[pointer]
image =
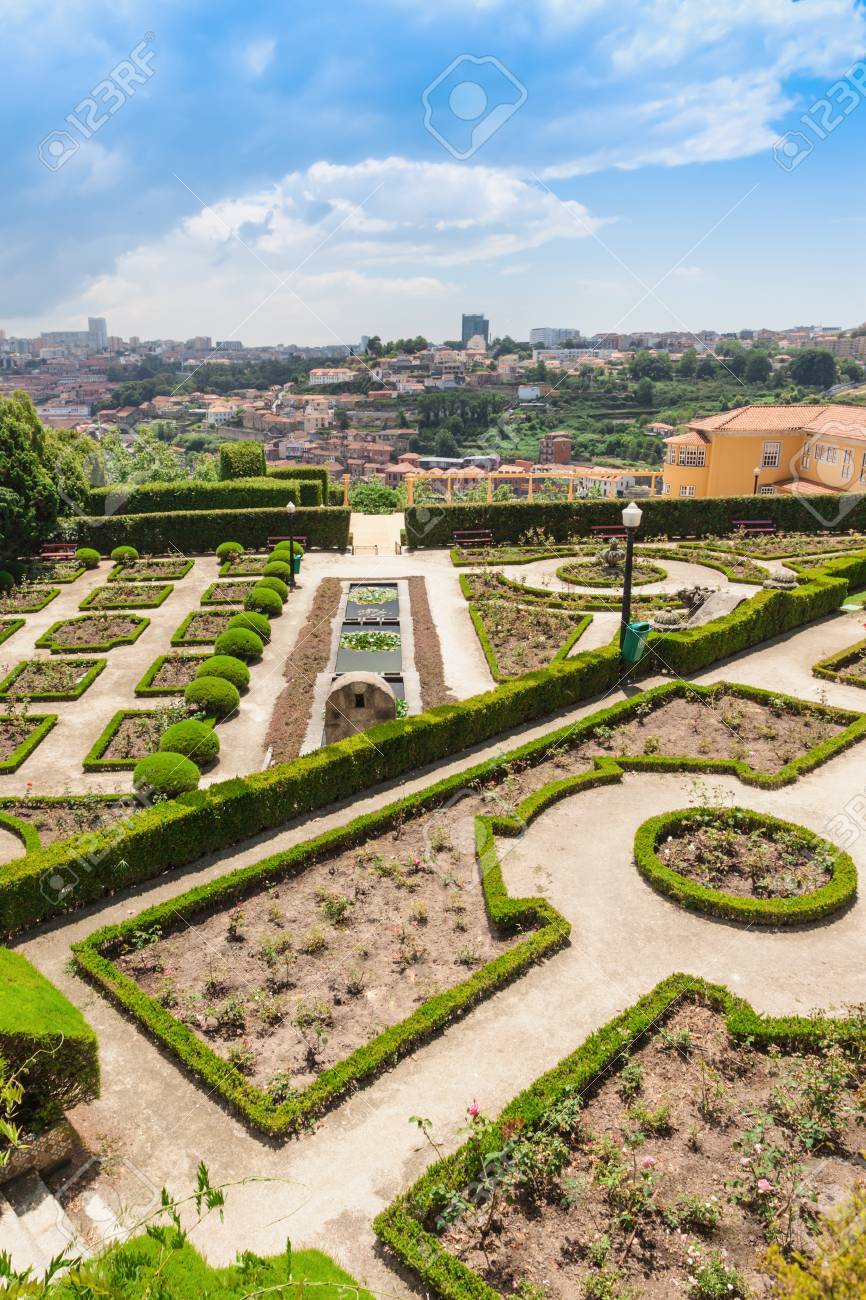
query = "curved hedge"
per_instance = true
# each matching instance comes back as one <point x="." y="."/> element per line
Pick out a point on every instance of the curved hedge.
<point x="642" y="574"/>
<point x="199" y="531"/>
<point x="838" y="892"/>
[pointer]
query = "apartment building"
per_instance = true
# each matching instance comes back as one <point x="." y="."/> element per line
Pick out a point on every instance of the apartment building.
<point x="763" y="450"/>
<point x="555" y="449"/>
<point x="323" y="375"/>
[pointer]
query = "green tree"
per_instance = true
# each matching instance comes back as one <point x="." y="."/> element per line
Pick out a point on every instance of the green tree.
<point x="372" y="497"/>
<point x="29" y="500"/>
<point x="813" y="367"/>
<point x="706" y="368"/>
<point x="644" y="391"/>
<point x="852" y="370"/>
<point x="446" y="444"/>
<point x="758" y="368"/>
<point x="688" y="363"/>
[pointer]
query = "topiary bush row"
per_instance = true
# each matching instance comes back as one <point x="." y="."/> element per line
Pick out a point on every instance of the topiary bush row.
<point x="200" y="531"/>
<point x="179" y="832"/>
<point x="203" y="494"/>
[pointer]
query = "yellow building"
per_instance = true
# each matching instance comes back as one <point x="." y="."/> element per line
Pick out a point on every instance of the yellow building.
<point x="763" y="450"/>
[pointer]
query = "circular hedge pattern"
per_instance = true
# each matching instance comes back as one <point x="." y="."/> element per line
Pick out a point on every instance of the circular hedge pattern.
<point x="839" y="890"/>
<point x="166" y="774"/>
<point x="195" y="740"/>
<point x="241" y="642"/>
<point x="253" y="622"/>
<point x="215" y="696"/>
<point x="263" y="600"/>
<point x="588" y="573"/>
<point x="226" y="666"/>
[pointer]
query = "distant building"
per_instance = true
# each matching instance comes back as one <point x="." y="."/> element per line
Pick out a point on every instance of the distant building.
<point x="97" y="328"/>
<point x="472" y="325"/>
<point x="547" y="336"/>
<point x="332" y="375"/>
<point x="229" y="345"/>
<point x="555" y="449"/>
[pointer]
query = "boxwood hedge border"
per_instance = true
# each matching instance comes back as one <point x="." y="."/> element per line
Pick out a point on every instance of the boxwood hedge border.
<point x="120" y="572"/>
<point x="179" y="637"/>
<point x="44" y="723"/>
<point x="836" y="894"/>
<point x="638" y="578"/>
<point x="227" y="571"/>
<point x="325" y="527"/>
<point x="96" y="667"/>
<point x="9" y="626"/>
<point x="462" y="559"/>
<point x="694" y="554"/>
<point x="73" y="577"/>
<point x="27" y="832"/>
<point x="476" y="613"/>
<point x="47" y="642"/>
<point x="151" y="596"/>
<point x="181" y="830"/>
<point x="830" y="668"/>
<point x="400" y="1227"/>
<point x="209" y="598"/>
<point x="93" y="760"/>
<point x="39" y="602"/>
<point x="145" y="686"/>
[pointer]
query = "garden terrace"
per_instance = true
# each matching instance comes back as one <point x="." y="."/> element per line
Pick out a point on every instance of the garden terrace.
<point x="671" y="1148"/>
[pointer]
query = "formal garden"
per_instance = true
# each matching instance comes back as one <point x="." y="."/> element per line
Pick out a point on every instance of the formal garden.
<point x="410" y="998"/>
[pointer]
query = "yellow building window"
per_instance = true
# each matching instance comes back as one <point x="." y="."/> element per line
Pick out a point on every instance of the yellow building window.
<point x="771" y="455"/>
<point x="693" y="456"/>
<point x="847" y="464"/>
<point x="687" y="489"/>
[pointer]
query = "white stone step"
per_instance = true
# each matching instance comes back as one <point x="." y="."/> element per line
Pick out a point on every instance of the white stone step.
<point x="42" y="1216"/>
<point x="17" y="1241"/>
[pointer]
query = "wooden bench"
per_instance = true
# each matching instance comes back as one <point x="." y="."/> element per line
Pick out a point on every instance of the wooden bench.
<point x="608" y="530"/>
<point x="472" y="537"/>
<point x="57" y="551"/>
<point x="753" y="525"/>
<point x="302" y="541"/>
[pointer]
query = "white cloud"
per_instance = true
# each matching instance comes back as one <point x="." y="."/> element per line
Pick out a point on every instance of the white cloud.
<point x="256" y="56"/>
<point x="688" y="272"/>
<point x="349" y="241"/>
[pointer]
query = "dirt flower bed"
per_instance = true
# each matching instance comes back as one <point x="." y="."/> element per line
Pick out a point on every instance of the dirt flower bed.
<point x="490" y="585"/>
<point x="226" y="593"/>
<point x="244" y="566"/>
<point x="773" y="546"/>
<point x="25" y="599"/>
<point x="145" y="570"/>
<point x="302" y="973"/>
<point x="595" y="573"/>
<point x="309" y="656"/>
<point x="428" y="652"/>
<point x="131" y="594"/>
<point x="176" y="671"/>
<point x="524" y="638"/>
<point x="95" y="630"/>
<point x="14" y="730"/>
<point x="138" y="733"/>
<point x="669" y="1179"/>
<point x="59" y="820"/>
<point x="716" y="850"/>
<point x="204" y="625"/>
<point x="50" y="676"/>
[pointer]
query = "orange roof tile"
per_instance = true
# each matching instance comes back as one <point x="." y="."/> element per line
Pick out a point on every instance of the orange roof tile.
<point x="692" y="437"/>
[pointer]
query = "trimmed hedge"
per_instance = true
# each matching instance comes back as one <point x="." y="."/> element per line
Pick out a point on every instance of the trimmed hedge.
<point x="87" y="556"/>
<point x="708" y="560"/>
<point x="832" y="666"/>
<point x="45" y="1041"/>
<point x="274" y="584"/>
<point x="204" y="494"/>
<point x="240" y="642"/>
<point x="47" y="642"/>
<point x="92" y="672"/>
<point x="434" y="525"/>
<point x="26" y="833"/>
<point x="195" y="740"/>
<point x="228" y="668"/>
<point x="548" y="932"/>
<point x="643" y="574"/>
<point x="44" y="723"/>
<point x="243" y="459"/>
<point x="317" y="473"/>
<point x="263" y="600"/>
<point x="230" y="811"/>
<point x="122" y="554"/>
<point x="147" y="596"/>
<point x="276" y="569"/>
<point x="200" y="531"/>
<point x="214" y="695"/>
<point x="179" y="636"/>
<point x="214" y="594"/>
<point x="166" y="774"/>
<point x="228" y="550"/>
<point x="181" y="568"/>
<point x="93" y="760"/>
<point x="401" y="1226"/>
<point x="146" y="687"/>
<point x="838" y="892"/>
<point x="476" y="613"/>
<point x="9" y="626"/>
<point x="40" y="596"/>
<point x="249" y="620"/>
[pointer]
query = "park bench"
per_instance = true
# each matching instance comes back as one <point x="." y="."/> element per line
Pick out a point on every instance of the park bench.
<point x="608" y="530"/>
<point x="302" y="541"/>
<point x="56" y="551"/>
<point x="472" y="537"/>
<point x="753" y="525"/>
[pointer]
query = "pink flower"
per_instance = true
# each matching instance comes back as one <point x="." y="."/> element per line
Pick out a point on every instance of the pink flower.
<point x="473" y="1110"/>
<point x="744" y="1160"/>
<point x="764" y="1185"/>
<point x="647" y="1162"/>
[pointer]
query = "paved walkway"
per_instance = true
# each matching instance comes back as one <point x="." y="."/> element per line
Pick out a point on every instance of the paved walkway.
<point x="330" y="1183"/>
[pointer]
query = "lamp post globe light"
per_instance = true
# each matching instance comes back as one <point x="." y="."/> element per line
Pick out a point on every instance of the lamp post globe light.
<point x="290" y="510"/>
<point x="631" y="517"/>
<point x="757" y="474"/>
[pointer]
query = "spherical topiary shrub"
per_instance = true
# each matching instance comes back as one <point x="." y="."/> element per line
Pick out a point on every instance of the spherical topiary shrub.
<point x="124" y="554"/>
<point x="166" y="775"/>
<point x="283" y="550"/>
<point x="87" y="556"/>
<point x="6" y="580"/>
<point x="275" y="584"/>
<point x="225" y="666"/>
<point x="240" y="642"/>
<point x="196" y="740"/>
<point x="263" y="600"/>
<point x="276" y="569"/>
<point x="228" y="550"/>
<point x="215" y="696"/>
<point x="254" y="622"/>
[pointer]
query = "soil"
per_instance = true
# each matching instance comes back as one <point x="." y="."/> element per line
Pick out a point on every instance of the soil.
<point x="247" y="566"/>
<point x="22" y="600"/>
<point x="177" y="670"/>
<point x="168" y="570"/>
<point x="95" y="630"/>
<point x="428" y="652"/>
<point x="776" y="545"/>
<point x="44" y="676"/>
<point x="300" y="974"/>
<point x="656" y="1179"/>
<point x="135" y="738"/>
<point x="491" y="586"/>
<point x="57" y="821"/>
<point x="309" y="656"/>
<point x="228" y="593"/>
<point x="133" y="594"/>
<point x="524" y="638"/>
<point x="770" y="863"/>
<point x="206" y="624"/>
<point x="595" y="573"/>
<point x="13" y="732"/>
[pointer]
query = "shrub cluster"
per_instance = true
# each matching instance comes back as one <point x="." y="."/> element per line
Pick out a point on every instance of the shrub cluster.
<point x="203" y="494"/>
<point x="240" y="642"/>
<point x="166" y="775"/>
<point x="87" y="556"/>
<point x="242" y="460"/>
<point x="215" y="696"/>
<point x="201" y="530"/>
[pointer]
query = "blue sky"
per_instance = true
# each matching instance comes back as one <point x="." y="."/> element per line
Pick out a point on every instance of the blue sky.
<point x="274" y="180"/>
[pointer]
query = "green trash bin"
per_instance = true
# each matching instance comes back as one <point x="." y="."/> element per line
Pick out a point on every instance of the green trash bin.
<point x="634" y="645"/>
<point x="296" y="563"/>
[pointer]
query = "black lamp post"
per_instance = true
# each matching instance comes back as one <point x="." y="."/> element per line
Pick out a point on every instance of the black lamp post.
<point x="631" y="518"/>
<point x="757" y="474"/>
<point x="290" y="508"/>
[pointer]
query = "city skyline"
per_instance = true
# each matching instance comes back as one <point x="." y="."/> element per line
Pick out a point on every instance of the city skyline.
<point x="632" y="182"/>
